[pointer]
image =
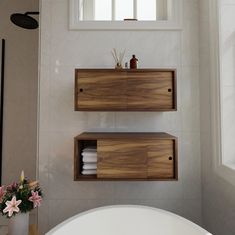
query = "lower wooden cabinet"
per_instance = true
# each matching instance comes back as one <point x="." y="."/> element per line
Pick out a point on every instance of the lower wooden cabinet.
<point x="127" y="156"/>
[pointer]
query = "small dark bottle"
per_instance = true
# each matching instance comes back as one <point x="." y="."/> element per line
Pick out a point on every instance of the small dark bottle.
<point x="133" y="62"/>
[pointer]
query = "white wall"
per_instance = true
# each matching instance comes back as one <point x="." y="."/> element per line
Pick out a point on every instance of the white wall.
<point x="218" y="201"/>
<point x="21" y="79"/>
<point x="61" y="52"/>
<point x="227" y="26"/>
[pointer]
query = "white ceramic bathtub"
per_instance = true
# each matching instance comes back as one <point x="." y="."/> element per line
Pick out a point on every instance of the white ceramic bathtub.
<point x="127" y="220"/>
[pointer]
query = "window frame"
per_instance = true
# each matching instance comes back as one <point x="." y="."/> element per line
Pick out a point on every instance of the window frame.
<point x="225" y="171"/>
<point x="174" y="24"/>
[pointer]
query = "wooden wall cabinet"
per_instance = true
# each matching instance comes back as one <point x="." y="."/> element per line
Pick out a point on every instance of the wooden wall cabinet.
<point x="125" y="90"/>
<point x="129" y="156"/>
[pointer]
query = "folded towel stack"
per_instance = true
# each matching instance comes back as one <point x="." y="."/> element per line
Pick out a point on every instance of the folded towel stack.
<point x="89" y="159"/>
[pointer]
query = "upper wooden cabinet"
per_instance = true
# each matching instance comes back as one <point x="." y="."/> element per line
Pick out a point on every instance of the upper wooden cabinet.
<point x="125" y="90"/>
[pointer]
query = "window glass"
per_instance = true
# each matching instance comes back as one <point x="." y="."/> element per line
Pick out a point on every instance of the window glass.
<point x="146" y="9"/>
<point x="102" y="14"/>
<point x="80" y="9"/>
<point x="103" y="9"/>
<point x="124" y="9"/>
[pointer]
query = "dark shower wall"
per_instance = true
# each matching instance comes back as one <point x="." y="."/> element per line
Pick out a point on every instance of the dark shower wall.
<point x="21" y="78"/>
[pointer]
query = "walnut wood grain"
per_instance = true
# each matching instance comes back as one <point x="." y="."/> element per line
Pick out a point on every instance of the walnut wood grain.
<point x="150" y="90"/>
<point x="98" y="90"/>
<point x="125" y="90"/>
<point x="124" y="135"/>
<point x="130" y="156"/>
<point x="76" y="163"/>
<point x="121" y="159"/>
<point x="161" y="159"/>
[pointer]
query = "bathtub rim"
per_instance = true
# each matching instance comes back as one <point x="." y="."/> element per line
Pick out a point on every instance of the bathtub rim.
<point x="57" y="227"/>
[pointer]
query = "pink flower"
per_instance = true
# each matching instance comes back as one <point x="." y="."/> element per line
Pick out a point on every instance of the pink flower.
<point x="2" y="193"/>
<point x="36" y="199"/>
<point x="12" y="186"/>
<point x="12" y="206"/>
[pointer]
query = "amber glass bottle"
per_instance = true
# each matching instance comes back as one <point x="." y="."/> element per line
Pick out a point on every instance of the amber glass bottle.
<point x="133" y="62"/>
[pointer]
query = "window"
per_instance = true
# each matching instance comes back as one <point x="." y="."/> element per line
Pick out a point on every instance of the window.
<point x="125" y="14"/>
<point x="118" y="10"/>
<point x="222" y="38"/>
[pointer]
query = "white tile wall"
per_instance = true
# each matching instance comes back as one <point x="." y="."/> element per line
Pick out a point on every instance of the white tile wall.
<point x="63" y="51"/>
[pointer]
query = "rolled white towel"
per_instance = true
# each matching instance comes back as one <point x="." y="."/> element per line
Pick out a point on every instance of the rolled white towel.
<point x="89" y="166"/>
<point x="90" y="149"/>
<point x="89" y="159"/>
<point x="89" y="154"/>
<point x="89" y="172"/>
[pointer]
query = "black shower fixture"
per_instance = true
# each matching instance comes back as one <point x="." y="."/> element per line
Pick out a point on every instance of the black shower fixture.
<point x="24" y="20"/>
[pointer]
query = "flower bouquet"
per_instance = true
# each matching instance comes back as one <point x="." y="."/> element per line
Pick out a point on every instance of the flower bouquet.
<point x="19" y="198"/>
<point x="16" y="200"/>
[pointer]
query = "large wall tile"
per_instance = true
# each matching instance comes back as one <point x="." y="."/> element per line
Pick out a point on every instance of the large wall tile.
<point x="92" y="49"/>
<point x="192" y="210"/>
<point x="190" y="33"/>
